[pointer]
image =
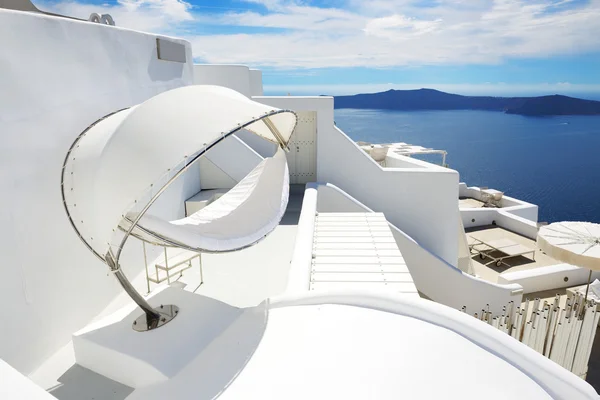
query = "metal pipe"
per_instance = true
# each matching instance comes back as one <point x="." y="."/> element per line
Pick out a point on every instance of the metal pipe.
<point x="151" y="314"/>
<point x="146" y="267"/>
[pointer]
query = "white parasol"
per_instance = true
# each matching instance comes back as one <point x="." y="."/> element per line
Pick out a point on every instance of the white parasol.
<point x="576" y="243"/>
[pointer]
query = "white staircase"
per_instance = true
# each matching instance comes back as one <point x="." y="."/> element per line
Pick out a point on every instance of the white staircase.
<point x="357" y="251"/>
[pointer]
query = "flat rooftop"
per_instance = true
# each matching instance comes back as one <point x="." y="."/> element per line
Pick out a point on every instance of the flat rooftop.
<point x="487" y="269"/>
<point x="242" y="279"/>
<point x="469" y="202"/>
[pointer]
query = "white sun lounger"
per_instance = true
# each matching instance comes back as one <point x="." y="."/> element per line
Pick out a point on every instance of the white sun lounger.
<point x="506" y="246"/>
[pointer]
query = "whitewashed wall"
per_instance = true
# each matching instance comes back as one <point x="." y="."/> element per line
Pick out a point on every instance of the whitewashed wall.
<point x="435" y="278"/>
<point x="236" y="77"/>
<point x="393" y="160"/>
<point x="420" y="201"/>
<point x="256" y="83"/>
<point x="474" y="217"/>
<point x="258" y="144"/>
<point x="509" y="204"/>
<point x="57" y="76"/>
<point x="548" y="277"/>
<point x="227" y="164"/>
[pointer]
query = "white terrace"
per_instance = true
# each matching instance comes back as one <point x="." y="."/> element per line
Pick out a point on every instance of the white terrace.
<point x="248" y="312"/>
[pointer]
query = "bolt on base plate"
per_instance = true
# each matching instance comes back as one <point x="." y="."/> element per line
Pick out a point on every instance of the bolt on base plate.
<point x="145" y="322"/>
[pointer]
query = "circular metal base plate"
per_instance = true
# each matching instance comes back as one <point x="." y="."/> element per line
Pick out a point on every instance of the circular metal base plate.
<point x="145" y="323"/>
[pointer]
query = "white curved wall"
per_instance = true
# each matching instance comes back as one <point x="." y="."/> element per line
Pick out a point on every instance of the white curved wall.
<point x="555" y="380"/>
<point x="52" y="285"/>
<point x="236" y="77"/>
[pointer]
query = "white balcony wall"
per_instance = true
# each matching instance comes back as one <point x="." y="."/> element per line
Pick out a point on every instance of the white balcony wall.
<point x="421" y="201"/>
<point x="474" y="217"/>
<point x="549" y="277"/>
<point x="393" y="160"/>
<point x="236" y="77"/>
<point x="509" y="204"/>
<point x="51" y="284"/>
<point x="446" y="284"/>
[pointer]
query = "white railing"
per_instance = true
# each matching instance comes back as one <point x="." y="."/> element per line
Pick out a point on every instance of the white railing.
<point x="301" y="264"/>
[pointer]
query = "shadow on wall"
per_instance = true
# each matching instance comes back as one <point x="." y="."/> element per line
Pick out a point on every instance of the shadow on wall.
<point x="159" y="70"/>
<point x="78" y="383"/>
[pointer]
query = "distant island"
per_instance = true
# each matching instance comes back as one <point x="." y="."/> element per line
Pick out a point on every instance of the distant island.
<point x="430" y="99"/>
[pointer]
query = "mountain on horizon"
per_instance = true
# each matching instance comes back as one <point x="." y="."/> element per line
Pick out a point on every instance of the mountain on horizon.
<point x="431" y="99"/>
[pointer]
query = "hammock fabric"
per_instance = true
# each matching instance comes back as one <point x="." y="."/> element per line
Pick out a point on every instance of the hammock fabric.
<point x="239" y="218"/>
<point x="126" y="159"/>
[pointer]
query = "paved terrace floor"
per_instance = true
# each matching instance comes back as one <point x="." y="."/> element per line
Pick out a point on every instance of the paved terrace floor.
<point x="488" y="270"/>
<point x="243" y="279"/>
<point x="467" y="202"/>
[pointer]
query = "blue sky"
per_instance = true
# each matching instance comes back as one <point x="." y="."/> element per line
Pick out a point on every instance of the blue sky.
<point x="496" y="47"/>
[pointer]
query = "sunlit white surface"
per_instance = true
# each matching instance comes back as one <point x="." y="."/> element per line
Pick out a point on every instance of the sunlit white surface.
<point x="239" y="218"/>
<point x="326" y="351"/>
<point x="576" y="243"/>
<point x="142" y="151"/>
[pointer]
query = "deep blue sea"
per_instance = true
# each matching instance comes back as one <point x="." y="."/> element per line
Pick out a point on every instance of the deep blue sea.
<point x="553" y="162"/>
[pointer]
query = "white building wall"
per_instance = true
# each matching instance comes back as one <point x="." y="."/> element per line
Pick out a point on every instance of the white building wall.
<point x="258" y="144"/>
<point x="474" y="217"/>
<point x="51" y="284"/>
<point x="509" y="204"/>
<point x="423" y="202"/>
<point x="236" y="77"/>
<point x="225" y="165"/>
<point x="435" y="278"/>
<point x="256" y="83"/>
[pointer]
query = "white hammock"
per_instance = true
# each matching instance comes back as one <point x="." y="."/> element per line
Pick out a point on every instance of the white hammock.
<point x="121" y="163"/>
<point x="240" y="218"/>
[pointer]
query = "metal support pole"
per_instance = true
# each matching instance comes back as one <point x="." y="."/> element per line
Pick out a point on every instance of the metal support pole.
<point x="146" y="266"/>
<point x="587" y="288"/>
<point x="152" y="318"/>
<point x="140" y="301"/>
<point x="200" y="262"/>
<point x="167" y="267"/>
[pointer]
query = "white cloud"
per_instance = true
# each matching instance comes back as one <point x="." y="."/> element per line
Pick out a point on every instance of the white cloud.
<point x="161" y="16"/>
<point x="369" y="34"/>
<point x="398" y="33"/>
